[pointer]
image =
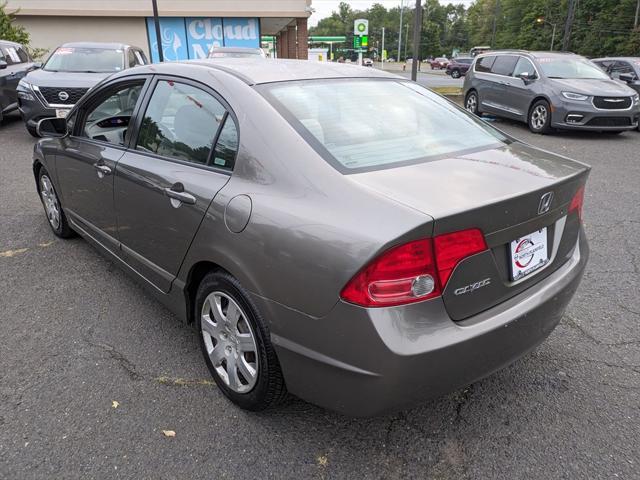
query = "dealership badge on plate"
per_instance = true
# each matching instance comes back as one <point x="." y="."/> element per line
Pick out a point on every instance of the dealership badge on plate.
<point x="529" y="253"/>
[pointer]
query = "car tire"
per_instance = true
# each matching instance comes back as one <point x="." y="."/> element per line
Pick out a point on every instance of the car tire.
<point x="237" y="346"/>
<point x="472" y="102"/>
<point x="32" y="131"/>
<point x="52" y="207"/>
<point x="455" y="73"/>
<point x="539" y="118"/>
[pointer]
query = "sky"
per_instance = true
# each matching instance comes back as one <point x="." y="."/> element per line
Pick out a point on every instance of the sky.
<point x="323" y="8"/>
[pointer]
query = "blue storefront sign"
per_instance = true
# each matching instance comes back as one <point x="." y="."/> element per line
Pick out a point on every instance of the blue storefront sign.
<point x="193" y="37"/>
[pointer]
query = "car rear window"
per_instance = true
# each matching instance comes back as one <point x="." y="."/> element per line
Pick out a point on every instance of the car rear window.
<point x="367" y="124"/>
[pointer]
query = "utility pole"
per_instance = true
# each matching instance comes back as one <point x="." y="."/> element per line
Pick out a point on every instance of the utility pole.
<point x="382" y="50"/>
<point x="635" y="22"/>
<point x="568" y="24"/>
<point x="156" y="21"/>
<point x="406" y="40"/>
<point x="400" y="30"/>
<point x="496" y="13"/>
<point x="417" y="28"/>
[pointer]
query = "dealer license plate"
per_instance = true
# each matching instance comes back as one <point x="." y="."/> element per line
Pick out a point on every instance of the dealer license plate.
<point x="62" y="112"/>
<point x="528" y="254"/>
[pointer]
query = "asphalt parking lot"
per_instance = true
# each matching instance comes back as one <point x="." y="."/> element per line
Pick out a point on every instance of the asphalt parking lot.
<point x="78" y="334"/>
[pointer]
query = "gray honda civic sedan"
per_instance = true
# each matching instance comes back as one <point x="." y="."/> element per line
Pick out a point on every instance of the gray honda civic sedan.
<point x="332" y="231"/>
<point x="550" y="90"/>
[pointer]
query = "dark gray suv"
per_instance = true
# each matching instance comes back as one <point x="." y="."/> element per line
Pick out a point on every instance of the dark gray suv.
<point x="15" y="63"/>
<point x="71" y="70"/>
<point x="550" y="90"/>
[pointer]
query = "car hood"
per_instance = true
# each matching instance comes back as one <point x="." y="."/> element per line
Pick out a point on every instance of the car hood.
<point x="596" y="87"/>
<point x="43" y="78"/>
<point x="446" y="188"/>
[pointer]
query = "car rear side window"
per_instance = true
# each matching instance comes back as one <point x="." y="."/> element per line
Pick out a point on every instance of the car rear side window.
<point x="484" y="64"/>
<point x="504" y="64"/>
<point x="369" y="123"/>
<point x="181" y="122"/>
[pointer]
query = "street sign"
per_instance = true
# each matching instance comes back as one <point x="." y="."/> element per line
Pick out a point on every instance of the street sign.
<point x="361" y="27"/>
<point x="356" y="43"/>
<point x="364" y="41"/>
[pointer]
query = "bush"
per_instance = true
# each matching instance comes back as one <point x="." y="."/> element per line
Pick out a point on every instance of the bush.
<point x="10" y="31"/>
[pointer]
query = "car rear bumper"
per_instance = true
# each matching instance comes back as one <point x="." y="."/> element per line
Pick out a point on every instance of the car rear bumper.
<point x="584" y="116"/>
<point x="364" y="362"/>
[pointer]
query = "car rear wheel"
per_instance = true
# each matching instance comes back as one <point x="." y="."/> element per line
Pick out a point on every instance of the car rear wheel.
<point x="471" y="103"/>
<point x="55" y="214"/>
<point x="455" y="73"/>
<point x="236" y="344"/>
<point x="540" y="117"/>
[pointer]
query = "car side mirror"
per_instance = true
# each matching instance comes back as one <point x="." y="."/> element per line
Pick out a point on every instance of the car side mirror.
<point x="527" y="77"/>
<point x="3" y="64"/>
<point x="627" y="77"/>
<point x="52" y="127"/>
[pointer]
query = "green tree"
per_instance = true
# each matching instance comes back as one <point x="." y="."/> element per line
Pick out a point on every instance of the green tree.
<point x="8" y="29"/>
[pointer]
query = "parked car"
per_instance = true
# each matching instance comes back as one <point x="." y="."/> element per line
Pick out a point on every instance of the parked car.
<point x="624" y="69"/>
<point x="71" y="70"/>
<point x="367" y="62"/>
<point x="236" y="52"/>
<point x="15" y="63"/>
<point x="459" y="66"/>
<point x="525" y="85"/>
<point x="307" y="250"/>
<point x="438" y="63"/>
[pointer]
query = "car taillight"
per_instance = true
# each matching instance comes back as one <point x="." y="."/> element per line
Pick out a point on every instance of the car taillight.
<point x="412" y="272"/>
<point x="577" y="202"/>
<point x="452" y="247"/>
<point x="401" y="275"/>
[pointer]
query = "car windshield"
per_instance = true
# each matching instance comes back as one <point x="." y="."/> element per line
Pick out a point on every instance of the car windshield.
<point x="371" y="124"/>
<point x="90" y="60"/>
<point x="562" y="67"/>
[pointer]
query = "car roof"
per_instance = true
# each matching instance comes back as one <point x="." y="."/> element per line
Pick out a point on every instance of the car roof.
<point x="235" y="49"/>
<point x="7" y="43"/>
<point x="534" y="54"/>
<point x="260" y="70"/>
<point x="629" y="59"/>
<point x="105" y="45"/>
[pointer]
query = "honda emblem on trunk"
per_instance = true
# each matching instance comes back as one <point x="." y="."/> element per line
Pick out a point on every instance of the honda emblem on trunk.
<point x="545" y="203"/>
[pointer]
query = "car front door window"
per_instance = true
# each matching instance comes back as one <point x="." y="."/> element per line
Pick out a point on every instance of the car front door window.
<point x="108" y="119"/>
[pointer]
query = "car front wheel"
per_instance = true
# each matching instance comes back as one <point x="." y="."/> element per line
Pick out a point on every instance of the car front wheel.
<point x="471" y="103"/>
<point x="55" y="214"/>
<point x="455" y="74"/>
<point x="236" y="344"/>
<point x="540" y="117"/>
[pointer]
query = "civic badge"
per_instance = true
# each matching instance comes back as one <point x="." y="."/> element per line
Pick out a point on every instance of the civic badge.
<point x="545" y="203"/>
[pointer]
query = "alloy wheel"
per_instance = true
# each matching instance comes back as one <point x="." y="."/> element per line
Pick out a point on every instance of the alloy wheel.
<point x="539" y="117"/>
<point x="472" y="103"/>
<point x="50" y="201"/>
<point x="230" y="342"/>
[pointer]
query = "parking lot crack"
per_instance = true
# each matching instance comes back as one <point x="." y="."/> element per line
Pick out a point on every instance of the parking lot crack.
<point x="122" y="361"/>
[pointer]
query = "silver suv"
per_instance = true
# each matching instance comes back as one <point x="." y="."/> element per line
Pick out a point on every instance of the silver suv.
<point x="549" y="90"/>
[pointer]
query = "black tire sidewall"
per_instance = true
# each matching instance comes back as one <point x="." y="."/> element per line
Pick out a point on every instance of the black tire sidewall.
<point x="455" y="74"/>
<point x="269" y="387"/>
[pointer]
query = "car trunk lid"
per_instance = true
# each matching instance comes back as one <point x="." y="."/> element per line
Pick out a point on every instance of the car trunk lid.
<point x="500" y="191"/>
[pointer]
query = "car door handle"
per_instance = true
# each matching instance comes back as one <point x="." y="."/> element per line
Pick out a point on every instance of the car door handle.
<point x="176" y="192"/>
<point x="102" y="170"/>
